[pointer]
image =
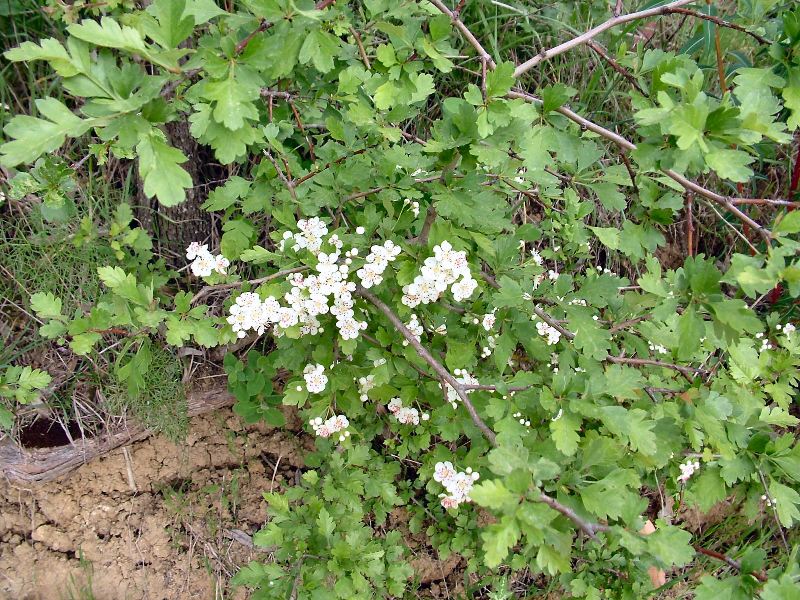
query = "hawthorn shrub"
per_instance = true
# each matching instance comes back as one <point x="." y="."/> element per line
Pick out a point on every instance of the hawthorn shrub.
<point x="458" y="272"/>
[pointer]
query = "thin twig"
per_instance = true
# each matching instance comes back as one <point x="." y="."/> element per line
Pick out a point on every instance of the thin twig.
<point x="209" y="289"/>
<point x="425" y="354"/>
<point x="616" y="66"/>
<point x="730" y="562"/>
<point x="594" y="32"/>
<point x="361" y="50"/>
<point x="468" y="35"/>
<point x="588" y="528"/>
<point x="287" y="181"/>
<point x="424" y="233"/>
<point x="721" y="22"/>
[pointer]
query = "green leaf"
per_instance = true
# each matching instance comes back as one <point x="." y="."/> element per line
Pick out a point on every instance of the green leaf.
<point x="608" y="236"/>
<point x="46" y="305"/>
<point x="50" y="50"/>
<point x="33" y="137"/>
<point x="34" y="378"/>
<point x="785" y="501"/>
<point x="110" y="34"/>
<point x="789" y="223"/>
<point x="203" y="11"/>
<point x="493" y="494"/>
<point x="233" y="101"/>
<point x="124" y="285"/>
<point x="160" y="170"/>
<point x="319" y="48"/>
<point x="173" y="25"/>
<point x="690" y="330"/>
<point x="671" y="545"/>
<point x="500" y="80"/>
<point x="236" y="237"/>
<point x="83" y="343"/>
<point x="497" y="539"/>
<point x="731" y="164"/>
<point x="564" y="431"/>
<point x="325" y="523"/>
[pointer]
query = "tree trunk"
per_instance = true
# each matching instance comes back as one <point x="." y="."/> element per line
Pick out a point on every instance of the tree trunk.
<point x="174" y="228"/>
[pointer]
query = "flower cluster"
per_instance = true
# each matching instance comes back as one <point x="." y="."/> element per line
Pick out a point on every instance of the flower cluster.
<point x="552" y="334"/>
<point x="523" y="421"/>
<point x="457" y="483"/>
<point x="365" y="384"/>
<point x="415" y="327"/>
<point x="440" y="271"/>
<point x="328" y="291"/>
<point x="376" y="262"/>
<point x="657" y="348"/>
<point x="406" y="415"/>
<point x="315" y="377"/>
<point x="462" y="377"/>
<point x="335" y="424"/>
<point x="769" y="501"/>
<point x="203" y="262"/>
<point x="687" y="470"/>
<point x="765" y="343"/>
<point x="249" y="312"/>
<point x="413" y="204"/>
<point x="309" y="237"/>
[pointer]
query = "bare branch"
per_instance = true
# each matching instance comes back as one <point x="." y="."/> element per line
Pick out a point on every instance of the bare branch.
<point x="473" y="41"/>
<point x="438" y="368"/>
<point x="595" y="31"/>
<point x="721" y="22"/>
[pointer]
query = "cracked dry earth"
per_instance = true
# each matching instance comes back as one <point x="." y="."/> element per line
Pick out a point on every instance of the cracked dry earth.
<point x="156" y="520"/>
<point x="167" y="521"/>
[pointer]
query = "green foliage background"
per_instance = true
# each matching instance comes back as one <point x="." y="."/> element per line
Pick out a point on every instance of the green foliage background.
<point x="347" y="110"/>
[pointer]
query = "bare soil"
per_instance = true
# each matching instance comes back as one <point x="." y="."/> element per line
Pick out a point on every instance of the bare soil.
<point x="156" y="520"/>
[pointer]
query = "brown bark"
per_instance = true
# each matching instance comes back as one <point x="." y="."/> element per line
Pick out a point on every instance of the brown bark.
<point x="174" y="228"/>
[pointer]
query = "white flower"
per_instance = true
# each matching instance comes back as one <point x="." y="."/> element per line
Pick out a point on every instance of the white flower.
<point x="316" y="380"/>
<point x="221" y="264"/>
<point x="464" y="288"/>
<point x="196" y="249"/>
<point x="687" y="470"/>
<point x="458" y="484"/>
<point x="335" y="424"/>
<point x="203" y="265"/>
<point x="488" y="321"/>
<point x="789" y="329"/>
<point x="365" y="384"/>
<point x="394" y="405"/>
<point x="552" y="334"/>
<point x="408" y="416"/>
<point x="444" y="472"/>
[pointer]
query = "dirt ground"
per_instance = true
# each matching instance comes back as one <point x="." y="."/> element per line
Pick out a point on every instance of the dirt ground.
<point x="153" y="521"/>
<point x="164" y="521"/>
